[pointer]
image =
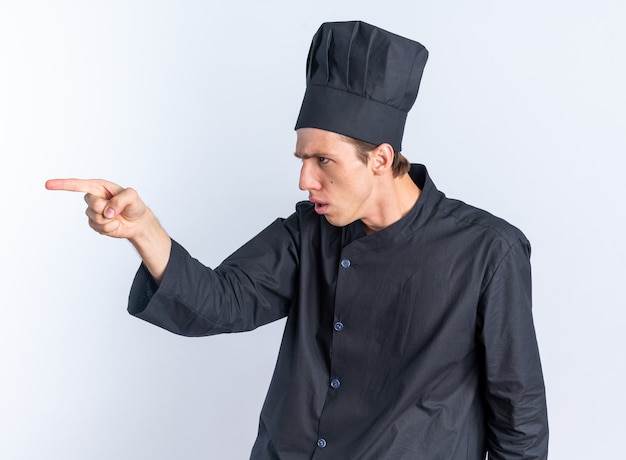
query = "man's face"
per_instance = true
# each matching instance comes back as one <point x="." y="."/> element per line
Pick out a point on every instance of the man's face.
<point x="338" y="182"/>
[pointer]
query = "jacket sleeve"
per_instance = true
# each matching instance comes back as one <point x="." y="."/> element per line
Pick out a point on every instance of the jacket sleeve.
<point x="252" y="287"/>
<point x="515" y="394"/>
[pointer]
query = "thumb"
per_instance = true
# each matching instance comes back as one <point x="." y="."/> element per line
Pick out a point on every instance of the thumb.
<point x="127" y="202"/>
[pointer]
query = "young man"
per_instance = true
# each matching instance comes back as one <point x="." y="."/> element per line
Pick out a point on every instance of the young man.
<point x="409" y="330"/>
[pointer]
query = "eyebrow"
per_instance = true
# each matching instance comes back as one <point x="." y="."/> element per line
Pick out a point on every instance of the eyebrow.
<point x="305" y="156"/>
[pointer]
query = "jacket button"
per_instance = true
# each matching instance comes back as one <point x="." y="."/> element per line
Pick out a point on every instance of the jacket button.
<point x="345" y="263"/>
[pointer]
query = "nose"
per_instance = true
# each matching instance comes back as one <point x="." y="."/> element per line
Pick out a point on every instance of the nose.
<point x="308" y="180"/>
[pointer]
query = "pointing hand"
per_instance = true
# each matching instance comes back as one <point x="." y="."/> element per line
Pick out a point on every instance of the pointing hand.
<point x="112" y="210"/>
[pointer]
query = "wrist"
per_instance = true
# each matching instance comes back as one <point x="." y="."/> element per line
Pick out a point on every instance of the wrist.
<point x="153" y="245"/>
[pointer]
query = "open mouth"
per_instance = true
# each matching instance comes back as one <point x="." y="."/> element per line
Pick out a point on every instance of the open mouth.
<point x="320" y="208"/>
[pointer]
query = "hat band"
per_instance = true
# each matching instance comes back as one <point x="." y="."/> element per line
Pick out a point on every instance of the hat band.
<point x="352" y="115"/>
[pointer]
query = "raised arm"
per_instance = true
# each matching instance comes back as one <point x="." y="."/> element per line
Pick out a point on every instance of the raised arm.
<point x="120" y="213"/>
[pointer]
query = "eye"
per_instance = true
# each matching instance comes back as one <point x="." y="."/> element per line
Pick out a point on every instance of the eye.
<point x="323" y="160"/>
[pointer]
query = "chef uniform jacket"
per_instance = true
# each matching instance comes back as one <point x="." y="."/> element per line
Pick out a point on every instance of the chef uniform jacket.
<point x="414" y="342"/>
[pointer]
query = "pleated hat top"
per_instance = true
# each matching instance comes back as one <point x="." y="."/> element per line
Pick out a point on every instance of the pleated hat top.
<point x="361" y="81"/>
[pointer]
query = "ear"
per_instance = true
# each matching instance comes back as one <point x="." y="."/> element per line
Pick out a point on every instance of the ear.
<point x="382" y="159"/>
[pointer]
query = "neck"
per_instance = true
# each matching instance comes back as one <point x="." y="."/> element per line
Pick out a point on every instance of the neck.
<point x="397" y="198"/>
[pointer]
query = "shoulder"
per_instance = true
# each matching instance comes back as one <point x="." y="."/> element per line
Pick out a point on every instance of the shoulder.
<point x="461" y="218"/>
<point x="312" y="226"/>
<point x="302" y="219"/>
<point x="478" y="220"/>
<point x="304" y="208"/>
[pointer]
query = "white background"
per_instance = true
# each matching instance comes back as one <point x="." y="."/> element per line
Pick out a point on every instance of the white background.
<point x="522" y="111"/>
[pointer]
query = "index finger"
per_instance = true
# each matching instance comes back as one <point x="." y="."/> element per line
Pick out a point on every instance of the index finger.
<point x="97" y="187"/>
